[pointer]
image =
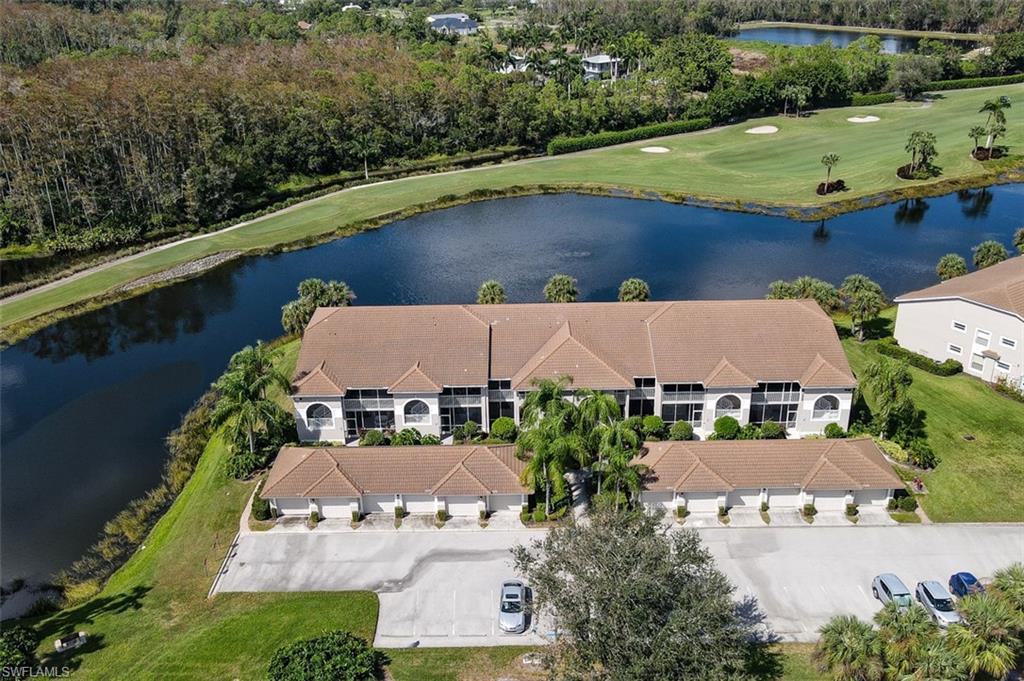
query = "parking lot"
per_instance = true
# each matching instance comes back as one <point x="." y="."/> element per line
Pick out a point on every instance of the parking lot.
<point x="441" y="588"/>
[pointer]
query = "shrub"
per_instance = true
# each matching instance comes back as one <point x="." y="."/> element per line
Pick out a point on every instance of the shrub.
<point x="314" y="519"/>
<point x="851" y="509"/>
<point x="1004" y="388"/>
<point x="922" y="454"/>
<point x="430" y="439"/>
<point x="764" y="507"/>
<point x="770" y="430"/>
<point x="722" y="511"/>
<point x="538" y="515"/>
<point x="908" y="504"/>
<point x="873" y="98"/>
<point x="681" y="511"/>
<point x="504" y="428"/>
<point x="653" y="427"/>
<point x="565" y="145"/>
<point x="524" y="516"/>
<point x="893" y="504"/>
<point x="751" y="431"/>
<point x="466" y="431"/>
<point x="726" y="428"/>
<point x="17" y="647"/>
<point x="950" y="367"/>
<point x="406" y="437"/>
<point x="260" y="506"/>
<point x="373" y="438"/>
<point x="680" y="430"/>
<point x="243" y="463"/>
<point x="834" y="431"/>
<point x="965" y="83"/>
<point x="399" y="512"/>
<point x="442" y="516"/>
<point x="356" y="516"/>
<point x="558" y="512"/>
<point x="483" y="514"/>
<point x="893" y="450"/>
<point x="809" y="510"/>
<point x="334" y="655"/>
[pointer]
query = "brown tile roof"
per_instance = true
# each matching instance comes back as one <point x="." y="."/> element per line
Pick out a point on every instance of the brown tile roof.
<point x="601" y="345"/>
<point x="720" y="466"/>
<point x="312" y="472"/>
<point x="1000" y="286"/>
<point x="414" y="381"/>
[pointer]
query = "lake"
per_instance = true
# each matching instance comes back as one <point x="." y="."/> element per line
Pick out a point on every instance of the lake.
<point x="792" y="35"/>
<point x="85" y="404"/>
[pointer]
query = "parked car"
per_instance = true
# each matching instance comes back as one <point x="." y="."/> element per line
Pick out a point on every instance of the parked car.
<point x="938" y="602"/>
<point x="512" y="607"/>
<point x="964" y="584"/>
<point x="888" y="588"/>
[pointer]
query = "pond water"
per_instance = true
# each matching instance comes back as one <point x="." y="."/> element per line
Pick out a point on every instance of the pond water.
<point x="86" y="403"/>
<point x="791" y="35"/>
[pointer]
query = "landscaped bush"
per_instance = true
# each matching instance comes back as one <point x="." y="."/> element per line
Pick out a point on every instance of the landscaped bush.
<point x="399" y="512"/>
<point x="466" y="431"/>
<point x="893" y="504"/>
<point x="764" y="507"/>
<point x="726" y="428"/>
<point x="314" y="519"/>
<point x="373" y="438"/>
<point x="653" y="427"/>
<point x="483" y="514"/>
<point x="243" y="463"/>
<point x="809" y="510"/>
<point x="873" y="98"/>
<point x="17" y="648"/>
<point x="430" y="439"/>
<point x="851" y="509"/>
<point x="922" y="454"/>
<point x="964" y="83"/>
<point x="834" y="431"/>
<point x="442" y="516"/>
<point x="406" y="437"/>
<point x="538" y="515"/>
<point x="558" y="512"/>
<point x="331" y="656"/>
<point x="1003" y="388"/>
<point x="750" y="431"/>
<point x="504" y="429"/>
<point x="681" y="511"/>
<point x="893" y="450"/>
<point x="770" y="430"/>
<point x="565" y="145"/>
<point x="609" y="499"/>
<point x="722" y="511"/>
<point x="260" y="506"/>
<point x="524" y="515"/>
<point x="680" y="430"/>
<point x="950" y="367"/>
<point x="908" y="503"/>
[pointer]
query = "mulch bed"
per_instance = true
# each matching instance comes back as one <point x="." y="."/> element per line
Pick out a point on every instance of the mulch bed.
<point x="834" y="186"/>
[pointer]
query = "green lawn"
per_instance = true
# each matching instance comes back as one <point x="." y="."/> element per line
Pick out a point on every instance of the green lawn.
<point x="724" y="164"/>
<point x="980" y="480"/>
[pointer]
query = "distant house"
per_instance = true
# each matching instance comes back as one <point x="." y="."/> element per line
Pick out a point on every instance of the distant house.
<point x="453" y="24"/>
<point x="351" y="7"/>
<point x="599" y="66"/>
<point x="977" y="319"/>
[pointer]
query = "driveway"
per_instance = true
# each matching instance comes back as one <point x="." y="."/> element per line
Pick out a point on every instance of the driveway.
<point x="440" y="589"/>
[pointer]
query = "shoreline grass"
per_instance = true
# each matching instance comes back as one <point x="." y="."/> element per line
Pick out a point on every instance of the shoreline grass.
<point x="723" y="167"/>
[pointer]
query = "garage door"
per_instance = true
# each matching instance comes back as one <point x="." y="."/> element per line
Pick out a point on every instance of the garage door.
<point x="418" y="503"/>
<point x="658" y="500"/>
<point x="830" y="500"/>
<point x="872" y="497"/>
<point x="702" y="502"/>
<point x="335" y="507"/>
<point x="292" y="506"/>
<point x="463" y="506"/>
<point x="744" y="497"/>
<point x="505" y="502"/>
<point x="379" y="503"/>
<point x="784" y="498"/>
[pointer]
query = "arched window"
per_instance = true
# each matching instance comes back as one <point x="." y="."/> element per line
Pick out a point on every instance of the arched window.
<point x="826" y="407"/>
<point x="319" y="416"/>
<point x="417" y="411"/>
<point x="727" y="405"/>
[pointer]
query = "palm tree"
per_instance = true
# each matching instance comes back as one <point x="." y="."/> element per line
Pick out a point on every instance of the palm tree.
<point x="1018" y="240"/>
<point x="905" y="634"/>
<point x="314" y="293"/>
<point x="989" y="253"/>
<point x="490" y="292"/>
<point x="561" y="288"/>
<point x="996" y="110"/>
<point x="951" y="265"/>
<point x="634" y="290"/>
<point x="243" y="411"/>
<point x="921" y="147"/>
<point x="366" y="145"/>
<point x="849" y="650"/>
<point x="976" y="133"/>
<point x="864" y="300"/>
<point x="596" y="408"/>
<point x="551" y="449"/>
<point x="986" y="641"/>
<point x="829" y="160"/>
<point x="547" y="398"/>
<point x="618" y="469"/>
<point x="1009" y="583"/>
<point x="936" y="663"/>
<point x="614" y="437"/>
<point x="255" y="365"/>
<point x="994" y="131"/>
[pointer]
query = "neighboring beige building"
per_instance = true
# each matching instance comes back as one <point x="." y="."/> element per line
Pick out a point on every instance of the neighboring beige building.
<point x="977" y="319"/>
<point x="434" y="367"/>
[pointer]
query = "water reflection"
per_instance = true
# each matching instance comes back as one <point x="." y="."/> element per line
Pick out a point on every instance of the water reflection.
<point x="975" y="202"/>
<point x="821" y="233"/>
<point x="910" y="211"/>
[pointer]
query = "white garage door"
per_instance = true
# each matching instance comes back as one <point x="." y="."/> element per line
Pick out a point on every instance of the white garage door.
<point x="658" y="500"/>
<point x="744" y="497"/>
<point x="335" y="507"/>
<point x="872" y="497"/>
<point x="830" y="500"/>
<point x="462" y="506"/>
<point x="379" y="503"/>
<point x="784" y="498"/>
<point x="702" y="502"/>
<point x="418" y="503"/>
<point x="505" y="502"/>
<point x="292" y="506"/>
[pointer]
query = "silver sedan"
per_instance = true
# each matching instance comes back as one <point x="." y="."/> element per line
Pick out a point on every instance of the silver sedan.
<point x="938" y="602"/>
<point x="512" y="607"/>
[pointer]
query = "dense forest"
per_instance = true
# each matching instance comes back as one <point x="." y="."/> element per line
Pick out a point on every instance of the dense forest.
<point x="124" y="120"/>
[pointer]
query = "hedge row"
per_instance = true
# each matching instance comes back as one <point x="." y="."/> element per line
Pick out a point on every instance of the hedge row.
<point x="565" y="145"/>
<point x="964" y="83"/>
<point x="887" y="346"/>
<point x="873" y="98"/>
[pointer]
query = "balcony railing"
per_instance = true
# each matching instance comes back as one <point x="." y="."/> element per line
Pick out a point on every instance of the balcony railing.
<point x="319" y="424"/>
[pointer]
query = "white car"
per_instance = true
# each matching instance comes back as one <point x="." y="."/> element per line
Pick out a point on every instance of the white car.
<point x="938" y="602"/>
<point x="512" y="608"/>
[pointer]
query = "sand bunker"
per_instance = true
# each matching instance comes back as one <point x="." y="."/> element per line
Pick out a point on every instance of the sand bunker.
<point x="863" y="119"/>
<point x="655" y="150"/>
<point x="762" y="130"/>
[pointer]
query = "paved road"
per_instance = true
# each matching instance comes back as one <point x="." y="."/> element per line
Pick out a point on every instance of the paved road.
<point x="440" y="588"/>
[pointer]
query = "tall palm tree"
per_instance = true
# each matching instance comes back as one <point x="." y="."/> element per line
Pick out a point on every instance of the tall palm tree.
<point x="547" y="398"/>
<point x="552" y="451"/>
<point x="619" y="471"/>
<point x="936" y="663"/>
<point x="597" y="408"/>
<point x="491" y="292"/>
<point x="987" y="640"/>
<point x="976" y="133"/>
<point x="905" y="633"/>
<point x="255" y="365"/>
<point x="1009" y="582"/>
<point x="849" y="650"/>
<point x="614" y="437"/>
<point x="996" y="110"/>
<point x="242" y="410"/>
<point x="829" y="160"/>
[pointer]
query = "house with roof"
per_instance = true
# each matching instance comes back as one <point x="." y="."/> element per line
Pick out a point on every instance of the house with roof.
<point x="453" y="24"/>
<point x="703" y="476"/>
<point x="598" y="66"/>
<point x="977" y="319"/>
<point x="339" y="481"/>
<point x="435" y="367"/>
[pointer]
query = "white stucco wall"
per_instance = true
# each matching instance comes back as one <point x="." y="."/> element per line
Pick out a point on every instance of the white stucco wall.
<point x="432" y="426"/>
<point x="307" y="431"/>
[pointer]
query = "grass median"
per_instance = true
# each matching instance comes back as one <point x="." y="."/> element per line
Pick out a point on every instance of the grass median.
<point x="726" y="165"/>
